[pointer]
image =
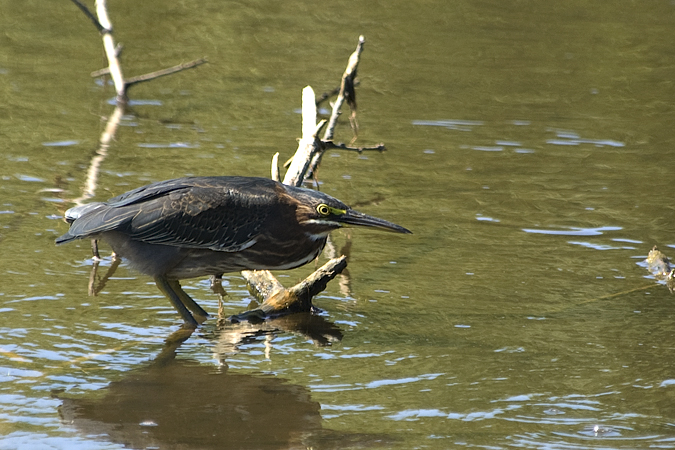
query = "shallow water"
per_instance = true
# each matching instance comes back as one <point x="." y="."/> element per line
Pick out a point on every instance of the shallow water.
<point x="529" y="148"/>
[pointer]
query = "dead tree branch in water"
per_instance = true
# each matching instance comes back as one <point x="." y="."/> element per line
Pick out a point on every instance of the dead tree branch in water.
<point x="114" y="69"/>
<point x="346" y="93"/>
<point x="164" y="72"/>
<point x="276" y="299"/>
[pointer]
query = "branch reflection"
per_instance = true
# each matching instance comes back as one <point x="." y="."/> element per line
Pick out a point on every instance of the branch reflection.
<point x="230" y="337"/>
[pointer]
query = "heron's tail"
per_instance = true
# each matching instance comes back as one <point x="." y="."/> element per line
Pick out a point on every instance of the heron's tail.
<point x="65" y="238"/>
<point x="72" y="215"/>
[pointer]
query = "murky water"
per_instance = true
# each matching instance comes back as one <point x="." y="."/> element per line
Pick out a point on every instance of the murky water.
<point x="529" y="150"/>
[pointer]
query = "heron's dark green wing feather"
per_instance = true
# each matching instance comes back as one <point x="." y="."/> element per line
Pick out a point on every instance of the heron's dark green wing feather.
<point x="219" y="213"/>
<point x="115" y="214"/>
<point x="155" y="190"/>
<point x="213" y="217"/>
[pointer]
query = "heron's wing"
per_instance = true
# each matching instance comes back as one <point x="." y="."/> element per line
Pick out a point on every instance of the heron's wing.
<point x="94" y="218"/>
<point x="219" y="213"/>
<point x="212" y="217"/>
<point x="158" y="189"/>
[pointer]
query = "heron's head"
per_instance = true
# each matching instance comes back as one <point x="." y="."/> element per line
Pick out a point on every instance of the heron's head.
<point x="320" y="213"/>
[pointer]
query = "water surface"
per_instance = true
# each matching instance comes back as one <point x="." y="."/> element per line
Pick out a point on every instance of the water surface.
<point x="529" y="147"/>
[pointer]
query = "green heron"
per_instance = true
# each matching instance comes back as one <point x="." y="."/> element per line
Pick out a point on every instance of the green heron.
<point x="198" y="226"/>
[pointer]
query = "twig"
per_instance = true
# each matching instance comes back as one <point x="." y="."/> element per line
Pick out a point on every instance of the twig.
<point x="163" y="72"/>
<point x="346" y="89"/>
<point x="112" y="52"/>
<point x="104" y="27"/>
<point x="100" y="72"/>
<point x="341" y="146"/>
<point x="114" y="69"/>
<point x="275" y="168"/>
<point x="568" y="306"/>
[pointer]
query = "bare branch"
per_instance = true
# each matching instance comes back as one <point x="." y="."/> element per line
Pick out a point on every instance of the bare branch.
<point x="89" y="14"/>
<point x="164" y="72"/>
<point x="341" y="146"/>
<point x="348" y="93"/>
<point x="110" y="51"/>
<point x="309" y="145"/>
<point x="275" y="168"/>
<point x="346" y="89"/>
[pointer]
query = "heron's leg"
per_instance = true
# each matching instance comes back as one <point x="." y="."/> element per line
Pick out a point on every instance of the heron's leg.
<point x="164" y="285"/>
<point x="186" y="299"/>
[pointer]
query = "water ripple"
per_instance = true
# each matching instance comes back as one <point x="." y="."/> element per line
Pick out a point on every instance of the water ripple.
<point x="573" y="231"/>
<point x="451" y="124"/>
<point x="60" y="143"/>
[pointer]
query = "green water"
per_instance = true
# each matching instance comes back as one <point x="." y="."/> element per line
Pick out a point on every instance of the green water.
<point x="529" y="150"/>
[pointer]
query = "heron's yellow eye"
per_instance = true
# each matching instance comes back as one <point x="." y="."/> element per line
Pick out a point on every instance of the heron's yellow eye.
<point x="323" y="209"/>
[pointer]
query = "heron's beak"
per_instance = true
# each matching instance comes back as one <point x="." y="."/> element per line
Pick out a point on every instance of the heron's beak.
<point x="355" y="218"/>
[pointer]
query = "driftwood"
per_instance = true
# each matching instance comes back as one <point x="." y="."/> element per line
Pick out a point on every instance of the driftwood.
<point x="276" y="299"/>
